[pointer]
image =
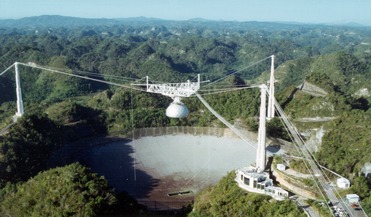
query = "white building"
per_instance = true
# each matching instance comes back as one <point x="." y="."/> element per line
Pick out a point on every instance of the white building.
<point x="343" y="183"/>
<point x="352" y="198"/>
<point x="249" y="180"/>
<point x="280" y="167"/>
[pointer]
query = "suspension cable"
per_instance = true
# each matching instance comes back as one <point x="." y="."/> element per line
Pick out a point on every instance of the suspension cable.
<point x="79" y="76"/>
<point x="93" y="74"/>
<point x="217" y="91"/>
<point x="297" y="140"/>
<point x="304" y="159"/>
<point x="238" y="70"/>
<point x="223" y="120"/>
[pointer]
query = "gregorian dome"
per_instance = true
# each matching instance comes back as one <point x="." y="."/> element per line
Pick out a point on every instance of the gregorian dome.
<point x="177" y="110"/>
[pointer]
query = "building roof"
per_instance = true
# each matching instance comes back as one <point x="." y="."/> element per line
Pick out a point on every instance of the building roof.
<point x="349" y="196"/>
<point x="343" y="180"/>
<point x="248" y="171"/>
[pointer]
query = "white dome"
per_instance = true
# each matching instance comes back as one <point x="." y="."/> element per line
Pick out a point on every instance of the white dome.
<point x="177" y="110"/>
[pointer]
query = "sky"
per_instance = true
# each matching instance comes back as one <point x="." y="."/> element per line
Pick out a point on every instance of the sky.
<point x="303" y="11"/>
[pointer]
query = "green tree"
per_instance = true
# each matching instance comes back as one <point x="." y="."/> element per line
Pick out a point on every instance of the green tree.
<point x="235" y="80"/>
<point x="66" y="191"/>
<point x="25" y="149"/>
<point x="349" y="65"/>
<point x="275" y="128"/>
<point x="361" y="187"/>
<point x="345" y="149"/>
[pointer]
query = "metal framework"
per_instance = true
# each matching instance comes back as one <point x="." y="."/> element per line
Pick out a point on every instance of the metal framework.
<point x="174" y="89"/>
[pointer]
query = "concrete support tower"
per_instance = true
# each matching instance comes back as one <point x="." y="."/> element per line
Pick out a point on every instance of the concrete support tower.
<point x="19" y="92"/>
<point x="261" y="149"/>
<point x="271" y="103"/>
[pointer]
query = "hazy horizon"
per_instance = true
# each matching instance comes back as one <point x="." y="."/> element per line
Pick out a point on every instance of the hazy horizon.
<point x="197" y="18"/>
<point x="311" y="12"/>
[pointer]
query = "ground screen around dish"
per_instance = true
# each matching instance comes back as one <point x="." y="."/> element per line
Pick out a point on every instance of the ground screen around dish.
<point x="150" y="168"/>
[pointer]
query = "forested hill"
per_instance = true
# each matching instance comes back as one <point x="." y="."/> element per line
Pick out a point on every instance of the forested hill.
<point x="187" y="47"/>
<point x="61" y="110"/>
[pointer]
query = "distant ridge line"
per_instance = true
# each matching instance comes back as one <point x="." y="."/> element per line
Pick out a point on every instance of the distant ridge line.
<point x="69" y="21"/>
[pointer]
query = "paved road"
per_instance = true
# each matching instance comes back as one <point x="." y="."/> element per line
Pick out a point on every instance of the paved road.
<point x="308" y="209"/>
<point x="5" y="130"/>
<point x="329" y="190"/>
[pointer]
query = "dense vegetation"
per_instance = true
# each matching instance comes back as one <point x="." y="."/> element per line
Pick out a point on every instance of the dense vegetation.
<point x="26" y="148"/>
<point x="62" y="109"/>
<point x="69" y="191"/>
